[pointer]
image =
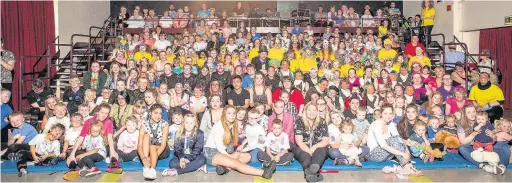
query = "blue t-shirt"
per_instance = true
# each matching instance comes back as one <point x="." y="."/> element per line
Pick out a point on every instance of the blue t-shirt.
<point x="482" y="137"/>
<point x="26" y="130"/>
<point x="295" y="31"/>
<point x="6" y="111"/>
<point x="431" y="133"/>
<point x="247" y="81"/>
<point x="414" y="137"/>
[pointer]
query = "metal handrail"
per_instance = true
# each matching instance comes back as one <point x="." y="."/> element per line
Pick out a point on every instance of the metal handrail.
<point x="73" y="49"/>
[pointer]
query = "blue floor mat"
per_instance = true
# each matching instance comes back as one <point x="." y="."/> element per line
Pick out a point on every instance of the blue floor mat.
<point x="450" y="161"/>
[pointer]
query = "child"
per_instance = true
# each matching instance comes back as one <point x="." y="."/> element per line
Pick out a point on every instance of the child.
<point x="433" y="127"/>
<point x="451" y="124"/>
<point x="423" y="118"/>
<point x="361" y="124"/>
<point x="437" y="111"/>
<point x="44" y="149"/>
<point x="377" y="114"/>
<point x="188" y="149"/>
<point x="95" y="151"/>
<point x="83" y="109"/>
<point x="177" y="119"/>
<point x="139" y="112"/>
<point x="503" y="131"/>
<point x="348" y="136"/>
<point x="72" y="134"/>
<point x="420" y="141"/>
<point x="164" y="98"/>
<point x="255" y="136"/>
<point x="399" y="109"/>
<point x="276" y="145"/>
<point x="152" y="143"/>
<point x="60" y="118"/>
<point x="241" y="119"/>
<point x="262" y="119"/>
<point x="482" y="140"/>
<point x="128" y="140"/>
<point x="90" y="97"/>
<point x="105" y="96"/>
<point x="198" y="102"/>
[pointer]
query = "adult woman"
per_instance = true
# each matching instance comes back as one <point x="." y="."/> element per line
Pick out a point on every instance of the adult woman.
<point x="114" y="75"/>
<point x="213" y="43"/>
<point x="384" y="29"/>
<point x="311" y="138"/>
<point x="211" y="115"/>
<point x="436" y="99"/>
<point x="295" y="94"/>
<point x="459" y="75"/>
<point x="421" y="90"/>
<point x="488" y="96"/>
<point x="466" y="136"/>
<point x="385" y="142"/>
<point x="486" y="64"/>
<point x="405" y="125"/>
<point x="166" y="20"/>
<point x="259" y="93"/>
<point x="453" y="104"/>
<point x="121" y="111"/>
<point x="419" y="58"/>
<point x="216" y="89"/>
<point x="123" y="17"/>
<point x="427" y="15"/>
<point x="152" y="145"/>
<point x="219" y="149"/>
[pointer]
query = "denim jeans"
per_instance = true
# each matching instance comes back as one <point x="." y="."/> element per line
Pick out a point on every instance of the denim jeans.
<point x="502" y="148"/>
<point x="190" y="167"/>
<point x="254" y="155"/>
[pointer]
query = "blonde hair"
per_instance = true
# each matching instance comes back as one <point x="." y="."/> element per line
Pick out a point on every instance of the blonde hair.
<point x="181" y="129"/>
<point x="304" y="116"/>
<point x="501" y="121"/>
<point x="225" y="124"/>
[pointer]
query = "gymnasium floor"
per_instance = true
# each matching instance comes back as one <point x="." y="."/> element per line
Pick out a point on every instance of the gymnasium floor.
<point x="439" y="175"/>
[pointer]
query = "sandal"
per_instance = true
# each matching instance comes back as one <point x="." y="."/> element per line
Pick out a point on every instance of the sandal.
<point x="169" y="172"/>
<point x="203" y="169"/>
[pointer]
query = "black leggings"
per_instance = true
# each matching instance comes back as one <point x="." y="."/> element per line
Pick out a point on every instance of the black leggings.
<point x="305" y="159"/>
<point x="90" y="160"/>
<point x="21" y="153"/>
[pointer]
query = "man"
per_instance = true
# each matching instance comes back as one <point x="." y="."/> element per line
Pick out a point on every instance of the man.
<point x="320" y="89"/>
<point x="254" y="34"/>
<point x="6" y="110"/>
<point x="168" y="77"/>
<point x="75" y="95"/>
<point x="238" y="10"/>
<point x="393" y="10"/>
<point x="95" y="79"/>
<point x="352" y="111"/>
<point x="221" y="75"/>
<point x="320" y="17"/>
<point x="172" y="11"/>
<point x="138" y="94"/>
<point x="7" y="62"/>
<point x="238" y="97"/>
<point x="387" y="53"/>
<point x="37" y="98"/>
<point x="248" y="79"/>
<point x="286" y="118"/>
<point x="410" y="49"/>
<point x="452" y="56"/>
<point x="296" y="29"/>
<point x="261" y="62"/>
<point x="108" y="129"/>
<point x="187" y="78"/>
<point x="204" y="12"/>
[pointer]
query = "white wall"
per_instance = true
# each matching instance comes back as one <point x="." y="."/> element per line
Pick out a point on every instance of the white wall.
<point x="484" y="14"/>
<point x="411" y="8"/>
<point x="75" y="17"/>
<point x="443" y="21"/>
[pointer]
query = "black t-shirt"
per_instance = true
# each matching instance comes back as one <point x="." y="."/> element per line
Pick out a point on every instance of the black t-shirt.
<point x="239" y="11"/>
<point x="224" y="78"/>
<point x="348" y="114"/>
<point x="39" y="98"/>
<point x="238" y="99"/>
<point x="311" y="136"/>
<point x="74" y="99"/>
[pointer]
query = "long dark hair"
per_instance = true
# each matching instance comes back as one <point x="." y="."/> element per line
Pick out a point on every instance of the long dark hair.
<point x="404" y="124"/>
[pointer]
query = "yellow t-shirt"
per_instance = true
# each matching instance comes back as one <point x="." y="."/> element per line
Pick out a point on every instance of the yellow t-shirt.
<point x="383" y="31"/>
<point x="386" y="54"/>
<point x="139" y="55"/>
<point x="276" y="54"/>
<point x="170" y="58"/>
<point x="424" y="61"/>
<point x="360" y="72"/>
<point x="253" y="53"/>
<point x="344" y="70"/>
<point x="482" y="97"/>
<point x="200" y="62"/>
<point x="302" y="64"/>
<point x="297" y="54"/>
<point x="430" y="12"/>
<point x="320" y="55"/>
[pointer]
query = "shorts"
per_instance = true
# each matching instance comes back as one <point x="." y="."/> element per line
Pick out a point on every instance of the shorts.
<point x="209" y="153"/>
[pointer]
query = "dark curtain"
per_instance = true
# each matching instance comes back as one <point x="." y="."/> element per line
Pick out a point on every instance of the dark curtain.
<point x="28" y="27"/>
<point x="499" y="42"/>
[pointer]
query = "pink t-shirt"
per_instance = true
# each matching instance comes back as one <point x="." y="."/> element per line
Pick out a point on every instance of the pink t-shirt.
<point x="288" y="125"/>
<point x="108" y="126"/>
<point x="453" y="104"/>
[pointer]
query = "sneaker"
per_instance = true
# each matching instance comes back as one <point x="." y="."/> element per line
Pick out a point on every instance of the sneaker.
<point x="170" y="172"/>
<point x="11" y="156"/>
<point x="221" y="170"/>
<point x="265" y="164"/>
<point x="146" y="173"/>
<point x="494" y="169"/>
<point x="114" y="168"/>
<point x="153" y="173"/>
<point x="203" y="169"/>
<point x="288" y="163"/>
<point x="313" y="169"/>
<point x="269" y="171"/>
<point x="22" y="172"/>
<point x="317" y="177"/>
<point x="339" y="161"/>
<point x="92" y="172"/>
<point x="72" y="174"/>
<point x="83" y="172"/>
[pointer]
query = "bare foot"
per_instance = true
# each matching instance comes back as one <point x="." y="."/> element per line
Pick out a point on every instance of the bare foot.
<point x="358" y="163"/>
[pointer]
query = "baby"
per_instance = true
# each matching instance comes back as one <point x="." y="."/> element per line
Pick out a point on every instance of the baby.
<point x="503" y="131"/>
<point x="433" y="127"/>
<point x="451" y="124"/>
<point x="482" y="140"/>
<point x="348" y="136"/>
<point x="361" y="124"/>
<point x="420" y="141"/>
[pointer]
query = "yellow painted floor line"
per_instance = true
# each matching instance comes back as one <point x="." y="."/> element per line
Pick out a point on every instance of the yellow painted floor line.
<point x="422" y="178"/>
<point x="261" y="179"/>
<point x="110" y="177"/>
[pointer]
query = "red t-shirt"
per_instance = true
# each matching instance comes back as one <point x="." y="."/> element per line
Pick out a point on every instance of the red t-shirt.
<point x="411" y="50"/>
<point x="295" y="97"/>
<point x="108" y="126"/>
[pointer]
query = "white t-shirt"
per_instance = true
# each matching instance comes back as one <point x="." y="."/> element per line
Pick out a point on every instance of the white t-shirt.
<point x="44" y="147"/>
<point x="161" y="45"/>
<point x="165" y="99"/>
<point x="253" y="134"/>
<point x="215" y="138"/>
<point x="128" y="140"/>
<point x="198" y="102"/>
<point x="172" y="134"/>
<point x="277" y="144"/>
<point x="54" y="120"/>
<point x="90" y="143"/>
<point x="72" y="135"/>
<point x="375" y="134"/>
<point x="334" y="133"/>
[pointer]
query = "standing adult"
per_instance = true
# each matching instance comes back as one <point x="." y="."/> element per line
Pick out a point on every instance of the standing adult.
<point x="8" y="62"/>
<point x="427" y="15"/>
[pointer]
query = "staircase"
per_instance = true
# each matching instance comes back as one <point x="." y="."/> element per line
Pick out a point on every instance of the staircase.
<point x="59" y="67"/>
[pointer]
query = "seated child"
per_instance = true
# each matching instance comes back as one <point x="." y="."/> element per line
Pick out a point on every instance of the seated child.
<point x="72" y="134"/>
<point x="20" y="134"/>
<point x="482" y="140"/>
<point x="450" y="125"/>
<point x="262" y="117"/>
<point x="128" y="140"/>
<point x="95" y="151"/>
<point x="152" y="143"/>
<point x="241" y="119"/>
<point x="437" y="111"/>
<point x="361" y="125"/>
<point x="164" y="98"/>
<point x="105" y="96"/>
<point x="59" y="118"/>
<point x="188" y="148"/>
<point x="255" y="136"/>
<point x="433" y="128"/>
<point x="503" y="131"/>
<point x="423" y="118"/>
<point x="83" y="109"/>
<point x="420" y="141"/>
<point x="348" y="136"/>
<point x="177" y="119"/>
<point x="198" y="102"/>
<point x="44" y="149"/>
<point x="277" y="145"/>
